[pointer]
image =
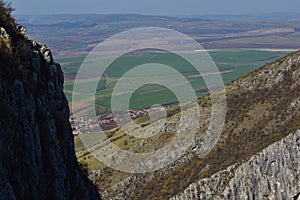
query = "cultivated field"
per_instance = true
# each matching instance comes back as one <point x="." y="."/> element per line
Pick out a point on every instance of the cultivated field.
<point x="232" y="64"/>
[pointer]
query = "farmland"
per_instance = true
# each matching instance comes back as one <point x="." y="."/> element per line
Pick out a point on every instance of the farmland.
<point x="232" y="64"/>
<point x="236" y="46"/>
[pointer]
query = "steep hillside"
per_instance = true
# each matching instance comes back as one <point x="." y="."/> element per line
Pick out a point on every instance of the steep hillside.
<point x="262" y="108"/>
<point x="36" y="143"/>
<point x="271" y="174"/>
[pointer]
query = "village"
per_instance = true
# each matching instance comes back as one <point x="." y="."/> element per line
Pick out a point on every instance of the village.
<point x="82" y="124"/>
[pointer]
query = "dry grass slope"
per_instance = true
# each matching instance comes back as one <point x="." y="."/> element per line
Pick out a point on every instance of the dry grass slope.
<point x="263" y="107"/>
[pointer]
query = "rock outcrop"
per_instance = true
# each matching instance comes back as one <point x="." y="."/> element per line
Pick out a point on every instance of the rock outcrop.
<point x="36" y="142"/>
<point x="271" y="174"/>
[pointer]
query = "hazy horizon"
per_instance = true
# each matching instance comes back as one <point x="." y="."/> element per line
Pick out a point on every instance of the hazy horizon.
<point x="155" y="7"/>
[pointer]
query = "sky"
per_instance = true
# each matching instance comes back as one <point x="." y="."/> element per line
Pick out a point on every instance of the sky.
<point x="154" y="7"/>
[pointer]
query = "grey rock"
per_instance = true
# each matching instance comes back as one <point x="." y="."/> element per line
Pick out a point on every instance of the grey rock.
<point x="21" y="29"/>
<point x="46" y="53"/>
<point x="5" y="37"/>
<point x="271" y="174"/>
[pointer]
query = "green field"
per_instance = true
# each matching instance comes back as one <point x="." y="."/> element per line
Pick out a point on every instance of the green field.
<point x="234" y="63"/>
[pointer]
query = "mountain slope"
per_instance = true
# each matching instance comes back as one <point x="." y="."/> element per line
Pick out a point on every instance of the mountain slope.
<point x="36" y="143"/>
<point x="262" y="108"/>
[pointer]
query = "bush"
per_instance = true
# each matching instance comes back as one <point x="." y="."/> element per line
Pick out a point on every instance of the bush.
<point x="7" y="23"/>
<point x="14" y="45"/>
<point x="83" y="169"/>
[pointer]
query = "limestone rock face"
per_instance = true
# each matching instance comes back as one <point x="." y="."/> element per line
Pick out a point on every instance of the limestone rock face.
<point x="271" y="174"/>
<point x="36" y="142"/>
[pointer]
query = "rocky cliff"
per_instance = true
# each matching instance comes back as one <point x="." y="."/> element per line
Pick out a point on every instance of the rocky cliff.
<point x="271" y="174"/>
<point x="36" y="143"/>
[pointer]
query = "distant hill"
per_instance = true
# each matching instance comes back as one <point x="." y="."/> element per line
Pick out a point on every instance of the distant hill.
<point x="76" y="35"/>
<point x="272" y="16"/>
